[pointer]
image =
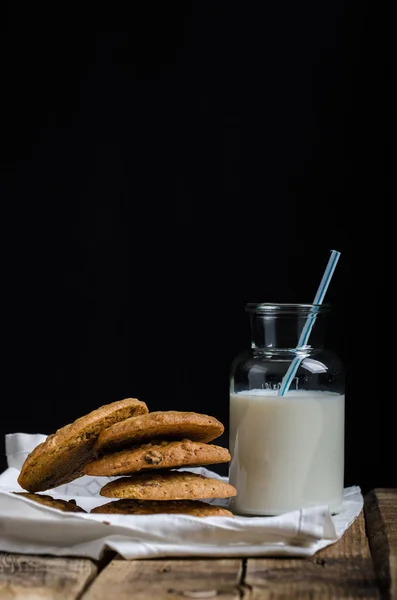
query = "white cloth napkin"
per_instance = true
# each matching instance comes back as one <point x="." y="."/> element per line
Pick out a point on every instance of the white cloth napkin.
<point x="31" y="528"/>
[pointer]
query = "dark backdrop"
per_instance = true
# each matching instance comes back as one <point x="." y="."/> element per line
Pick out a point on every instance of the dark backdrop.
<point x="156" y="180"/>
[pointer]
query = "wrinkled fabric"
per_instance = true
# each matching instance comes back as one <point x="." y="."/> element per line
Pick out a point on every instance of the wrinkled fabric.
<point x="32" y="528"/>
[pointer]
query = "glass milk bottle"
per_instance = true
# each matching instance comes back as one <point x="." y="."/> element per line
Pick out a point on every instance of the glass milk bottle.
<point x="287" y="451"/>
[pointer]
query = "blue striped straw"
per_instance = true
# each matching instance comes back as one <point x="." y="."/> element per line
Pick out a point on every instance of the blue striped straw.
<point x="304" y="336"/>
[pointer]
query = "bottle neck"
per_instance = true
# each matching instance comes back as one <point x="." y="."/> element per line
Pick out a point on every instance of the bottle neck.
<point x="285" y="331"/>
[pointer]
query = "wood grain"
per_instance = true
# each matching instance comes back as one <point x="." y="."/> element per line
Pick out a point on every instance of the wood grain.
<point x="25" y="577"/>
<point x="168" y="579"/>
<point x="381" y="518"/>
<point x="341" y="571"/>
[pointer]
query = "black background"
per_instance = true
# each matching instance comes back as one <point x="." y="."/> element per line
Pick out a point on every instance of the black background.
<point x="156" y="180"/>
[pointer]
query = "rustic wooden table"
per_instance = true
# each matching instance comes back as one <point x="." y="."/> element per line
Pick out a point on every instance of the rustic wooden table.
<point x="363" y="564"/>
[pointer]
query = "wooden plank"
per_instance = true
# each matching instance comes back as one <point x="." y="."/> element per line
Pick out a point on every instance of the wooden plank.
<point x="340" y="571"/>
<point x="167" y="579"/>
<point x="26" y="577"/>
<point x="381" y="517"/>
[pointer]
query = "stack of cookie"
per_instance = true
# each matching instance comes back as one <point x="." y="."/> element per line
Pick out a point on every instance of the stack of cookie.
<point x="143" y="449"/>
<point x="146" y="453"/>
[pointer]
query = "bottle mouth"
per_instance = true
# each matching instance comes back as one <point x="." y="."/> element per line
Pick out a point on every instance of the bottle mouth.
<point x="270" y="308"/>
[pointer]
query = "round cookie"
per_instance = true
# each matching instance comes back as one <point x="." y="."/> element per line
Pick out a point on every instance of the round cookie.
<point x="62" y="456"/>
<point x="159" y="455"/>
<point x="64" y="505"/>
<point x="168" y="485"/>
<point x="195" y="508"/>
<point x="166" y="425"/>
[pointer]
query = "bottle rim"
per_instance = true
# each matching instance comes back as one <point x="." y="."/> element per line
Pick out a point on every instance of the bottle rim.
<point x="272" y="308"/>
